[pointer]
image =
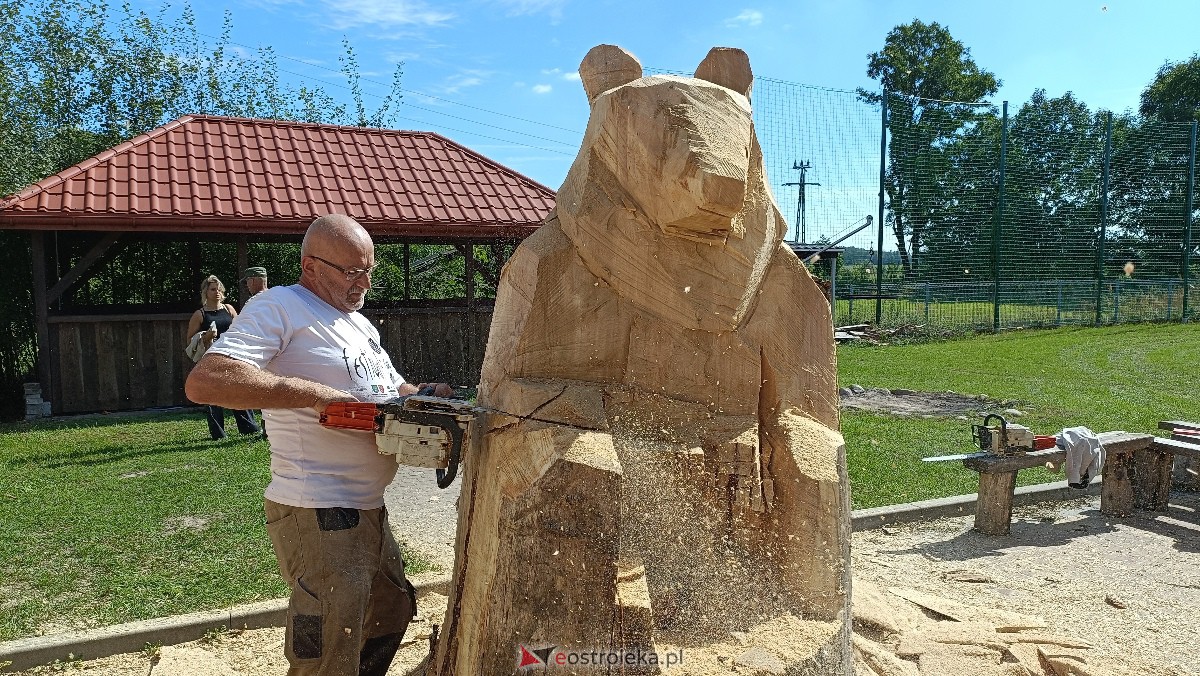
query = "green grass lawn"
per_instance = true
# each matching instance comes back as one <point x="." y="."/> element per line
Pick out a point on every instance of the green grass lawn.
<point x="1125" y="377"/>
<point x="114" y="518"/>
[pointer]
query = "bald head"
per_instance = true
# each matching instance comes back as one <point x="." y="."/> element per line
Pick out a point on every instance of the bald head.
<point x="333" y="234"/>
<point x="334" y="247"/>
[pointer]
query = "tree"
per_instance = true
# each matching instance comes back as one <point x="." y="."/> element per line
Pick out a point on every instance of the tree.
<point x="1174" y="94"/>
<point x="931" y="81"/>
<point x="1052" y="190"/>
<point x="77" y="78"/>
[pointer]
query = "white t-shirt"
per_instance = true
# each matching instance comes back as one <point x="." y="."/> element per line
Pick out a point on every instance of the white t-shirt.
<point x="290" y="331"/>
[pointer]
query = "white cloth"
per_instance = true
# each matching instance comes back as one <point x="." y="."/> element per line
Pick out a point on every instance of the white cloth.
<point x="1085" y="455"/>
<point x="290" y="331"/>
<point x="195" y="347"/>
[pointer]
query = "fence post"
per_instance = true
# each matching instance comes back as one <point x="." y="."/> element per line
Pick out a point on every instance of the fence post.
<point x="1116" y="301"/>
<point x="1103" y="213"/>
<point x="1187" y="222"/>
<point x="996" y="222"/>
<point x="1170" y="296"/>
<point x="1058" y="306"/>
<point x="926" y="302"/>
<point x="882" y="191"/>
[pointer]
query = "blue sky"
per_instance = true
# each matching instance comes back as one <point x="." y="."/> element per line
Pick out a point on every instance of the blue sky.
<point x="499" y="75"/>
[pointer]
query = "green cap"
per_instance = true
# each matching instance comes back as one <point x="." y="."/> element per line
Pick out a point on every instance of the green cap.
<point x="254" y="272"/>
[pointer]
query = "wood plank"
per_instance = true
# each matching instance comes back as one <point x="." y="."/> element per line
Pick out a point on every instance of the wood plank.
<point x="1113" y="442"/>
<point x="993" y="507"/>
<point x="138" y="364"/>
<point x="70" y="360"/>
<point x="181" y="364"/>
<point x="1124" y="442"/>
<point x="1179" y="424"/>
<point x="1010" y="463"/>
<point x="1175" y="447"/>
<point x="88" y="370"/>
<point x="164" y="362"/>
<point x="107" y="392"/>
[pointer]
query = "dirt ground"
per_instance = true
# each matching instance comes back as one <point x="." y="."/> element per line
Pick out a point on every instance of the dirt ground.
<point x="1129" y="588"/>
<point x="902" y="402"/>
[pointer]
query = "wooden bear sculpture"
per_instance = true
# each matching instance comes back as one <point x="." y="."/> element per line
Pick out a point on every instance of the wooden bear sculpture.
<point x="670" y="484"/>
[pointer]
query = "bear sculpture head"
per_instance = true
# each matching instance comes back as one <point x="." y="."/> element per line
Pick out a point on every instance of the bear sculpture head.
<point x="667" y="202"/>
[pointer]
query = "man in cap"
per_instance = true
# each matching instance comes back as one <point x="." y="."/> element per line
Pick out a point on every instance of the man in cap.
<point x="256" y="281"/>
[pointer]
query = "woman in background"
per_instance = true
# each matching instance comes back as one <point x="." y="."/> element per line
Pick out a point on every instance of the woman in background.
<point x="213" y="318"/>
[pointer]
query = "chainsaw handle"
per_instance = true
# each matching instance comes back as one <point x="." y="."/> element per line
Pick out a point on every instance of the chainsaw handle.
<point x="350" y="415"/>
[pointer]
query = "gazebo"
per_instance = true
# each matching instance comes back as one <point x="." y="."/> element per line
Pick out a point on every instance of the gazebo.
<point x="204" y="178"/>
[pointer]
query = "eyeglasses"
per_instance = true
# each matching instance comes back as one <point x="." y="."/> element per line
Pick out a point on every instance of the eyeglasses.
<point x="352" y="274"/>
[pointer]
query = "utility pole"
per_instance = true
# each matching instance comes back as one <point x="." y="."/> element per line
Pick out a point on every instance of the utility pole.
<point x="801" y="234"/>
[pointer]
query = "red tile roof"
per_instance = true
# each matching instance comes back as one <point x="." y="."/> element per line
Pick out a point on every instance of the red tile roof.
<point x="210" y="174"/>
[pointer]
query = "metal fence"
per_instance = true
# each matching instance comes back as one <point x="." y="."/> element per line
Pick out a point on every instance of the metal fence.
<point x="986" y="218"/>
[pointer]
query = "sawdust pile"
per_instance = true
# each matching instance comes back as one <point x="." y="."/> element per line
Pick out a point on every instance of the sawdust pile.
<point x="1070" y="591"/>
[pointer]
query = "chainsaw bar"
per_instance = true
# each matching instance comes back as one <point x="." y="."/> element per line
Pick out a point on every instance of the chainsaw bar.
<point x="961" y="456"/>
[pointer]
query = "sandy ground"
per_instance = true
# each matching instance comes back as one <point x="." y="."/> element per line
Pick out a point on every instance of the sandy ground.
<point x="1064" y="562"/>
<point x="1071" y="565"/>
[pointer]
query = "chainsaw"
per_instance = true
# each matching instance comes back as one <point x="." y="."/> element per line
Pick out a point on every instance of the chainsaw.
<point x="1001" y="438"/>
<point x="419" y="429"/>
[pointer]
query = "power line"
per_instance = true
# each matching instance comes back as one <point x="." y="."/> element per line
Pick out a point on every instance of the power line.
<point x="382" y="84"/>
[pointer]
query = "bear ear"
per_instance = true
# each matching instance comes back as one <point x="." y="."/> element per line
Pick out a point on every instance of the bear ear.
<point x="728" y="67"/>
<point x="605" y="67"/>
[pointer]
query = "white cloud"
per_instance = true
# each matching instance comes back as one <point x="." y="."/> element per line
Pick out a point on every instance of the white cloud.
<point x="456" y="83"/>
<point x="383" y="13"/>
<point x="748" y="17"/>
<point x="521" y="7"/>
<point x="558" y="73"/>
<point x="542" y="89"/>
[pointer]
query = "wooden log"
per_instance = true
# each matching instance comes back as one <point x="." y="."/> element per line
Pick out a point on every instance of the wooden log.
<point x="1117" y="493"/>
<point x="993" y="507"/>
<point x="1152" y="479"/>
<point x="680" y="364"/>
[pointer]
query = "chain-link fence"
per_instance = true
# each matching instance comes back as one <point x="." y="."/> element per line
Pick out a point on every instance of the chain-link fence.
<point x="1046" y="216"/>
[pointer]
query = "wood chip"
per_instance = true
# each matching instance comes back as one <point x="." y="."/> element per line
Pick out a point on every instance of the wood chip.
<point x="1064" y="663"/>
<point x="1001" y="620"/>
<point x="958" y="660"/>
<point x="874" y="608"/>
<point x="1115" y="602"/>
<point x="882" y="661"/>
<point x="962" y="633"/>
<point x="1027" y="656"/>
<point x="967" y="576"/>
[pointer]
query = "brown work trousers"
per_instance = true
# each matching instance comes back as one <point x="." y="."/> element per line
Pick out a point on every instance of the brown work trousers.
<point x="350" y="602"/>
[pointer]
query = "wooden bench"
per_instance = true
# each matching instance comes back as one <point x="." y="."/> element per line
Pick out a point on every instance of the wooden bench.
<point x="1153" y="467"/>
<point x="1118" y="494"/>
